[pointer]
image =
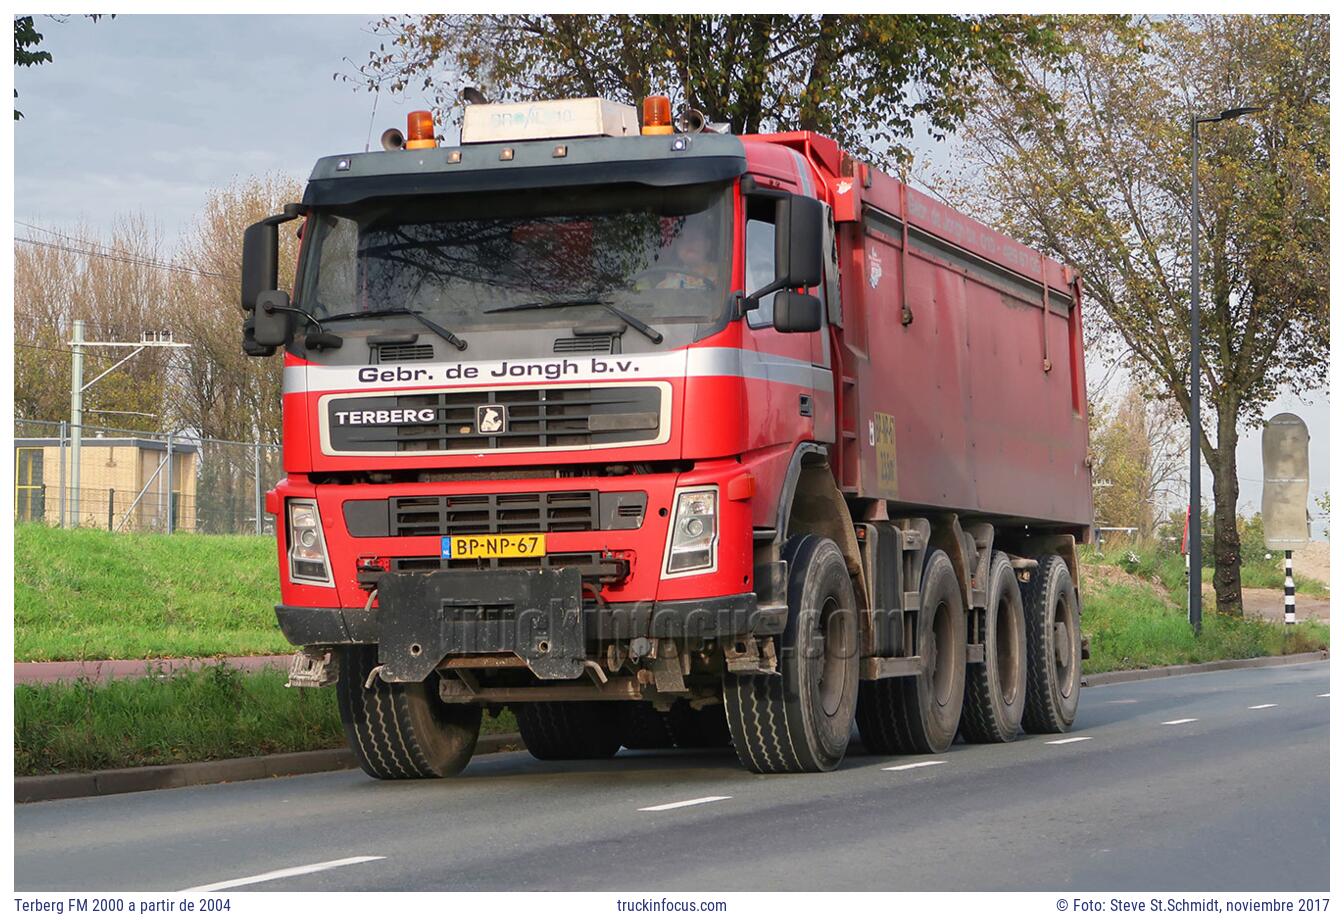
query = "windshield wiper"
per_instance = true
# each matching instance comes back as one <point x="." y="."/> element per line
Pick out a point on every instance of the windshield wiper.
<point x="653" y="335"/>
<point x="425" y="321"/>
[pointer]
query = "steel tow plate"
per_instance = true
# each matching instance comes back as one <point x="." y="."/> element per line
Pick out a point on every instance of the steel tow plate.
<point x="534" y="613"/>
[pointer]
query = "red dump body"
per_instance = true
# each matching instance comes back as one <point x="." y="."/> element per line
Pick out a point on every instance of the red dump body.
<point x="959" y="380"/>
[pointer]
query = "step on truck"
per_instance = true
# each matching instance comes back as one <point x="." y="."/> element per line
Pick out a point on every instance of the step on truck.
<point x="659" y="436"/>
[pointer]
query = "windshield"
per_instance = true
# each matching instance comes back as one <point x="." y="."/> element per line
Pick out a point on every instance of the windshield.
<point x="661" y="254"/>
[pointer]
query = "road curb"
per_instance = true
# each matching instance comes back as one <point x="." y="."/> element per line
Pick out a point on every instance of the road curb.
<point x="241" y="769"/>
<point x="235" y="770"/>
<point x="1177" y="670"/>
<point x="104" y="670"/>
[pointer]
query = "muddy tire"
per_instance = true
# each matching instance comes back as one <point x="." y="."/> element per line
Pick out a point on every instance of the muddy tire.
<point x="643" y="728"/>
<point x="1054" y="648"/>
<point x="569" y="730"/>
<point x="996" y="689"/>
<point x="798" y="721"/>
<point x="402" y="731"/>
<point x="921" y="714"/>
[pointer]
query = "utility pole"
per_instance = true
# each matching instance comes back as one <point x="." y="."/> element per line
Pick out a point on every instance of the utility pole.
<point x="64" y="445"/>
<point x="76" y="416"/>
<point x="78" y="386"/>
<point x="256" y="486"/>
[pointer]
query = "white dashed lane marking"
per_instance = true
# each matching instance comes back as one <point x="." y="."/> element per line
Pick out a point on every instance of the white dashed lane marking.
<point x="686" y="804"/>
<point x="1263" y="706"/>
<point x="1071" y="740"/>
<point x="286" y="873"/>
<point x="1321" y="696"/>
<point x="1179" y="721"/>
<point x="911" y="766"/>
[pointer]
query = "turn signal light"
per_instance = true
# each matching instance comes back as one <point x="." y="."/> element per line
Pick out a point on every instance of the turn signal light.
<point x="657" y="115"/>
<point x="420" y="130"/>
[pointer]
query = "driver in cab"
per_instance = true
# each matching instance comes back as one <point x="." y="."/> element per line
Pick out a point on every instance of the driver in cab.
<point x="687" y="264"/>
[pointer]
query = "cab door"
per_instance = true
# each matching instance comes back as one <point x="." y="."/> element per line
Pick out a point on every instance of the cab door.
<point x="788" y="374"/>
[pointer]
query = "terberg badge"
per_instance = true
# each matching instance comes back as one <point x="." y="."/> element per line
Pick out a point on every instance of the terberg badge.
<point x="491" y="419"/>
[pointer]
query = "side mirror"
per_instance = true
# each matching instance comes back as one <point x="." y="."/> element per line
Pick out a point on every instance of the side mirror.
<point x="796" y="312"/>
<point x="271" y="323"/>
<point x="261" y="243"/>
<point x="799" y="223"/>
<point x="798" y="231"/>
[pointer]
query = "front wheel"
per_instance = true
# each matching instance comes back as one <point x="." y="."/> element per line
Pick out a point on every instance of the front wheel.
<point x="798" y="721"/>
<point x="402" y="731"/>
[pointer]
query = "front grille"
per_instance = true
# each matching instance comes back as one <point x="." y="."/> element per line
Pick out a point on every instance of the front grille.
<point x="536" y="417"/>
<point x="511" y="512"/>
<point x="531" y="512"/>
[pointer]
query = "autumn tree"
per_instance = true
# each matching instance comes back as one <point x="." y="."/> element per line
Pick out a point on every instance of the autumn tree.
<point x="864" y="80"/>
<point x="1138" y="460"/>
<point x="1100" y="178"/>
<point x="222" y="393"/>
<point x="219" y="392"/>
<point x="120" y="287"/>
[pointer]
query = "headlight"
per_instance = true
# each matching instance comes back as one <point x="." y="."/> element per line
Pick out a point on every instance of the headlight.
<point x="693" y="538"/>
<point x="307" y="548"/>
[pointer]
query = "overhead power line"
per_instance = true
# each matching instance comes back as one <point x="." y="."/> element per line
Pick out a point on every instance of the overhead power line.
<point x="86" y="242"/>
<point x="113" y="256"/>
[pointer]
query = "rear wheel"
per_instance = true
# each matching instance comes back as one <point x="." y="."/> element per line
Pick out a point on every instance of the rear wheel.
<point x="920" y="714"/>
<point x="1054" y="648"/>
<point x="402" y="731"/>
<point x="577" y="730"/>
<point x="798" y="721"/>
<point x="643" y="728"/>
<point x="996" y="689"/>
<point x="699" y="728"/>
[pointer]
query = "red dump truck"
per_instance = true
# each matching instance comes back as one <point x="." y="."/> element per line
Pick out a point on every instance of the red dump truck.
<point x="661" y="436"/>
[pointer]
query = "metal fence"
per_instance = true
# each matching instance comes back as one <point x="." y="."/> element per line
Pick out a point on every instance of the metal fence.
<point x="141" y="481"/>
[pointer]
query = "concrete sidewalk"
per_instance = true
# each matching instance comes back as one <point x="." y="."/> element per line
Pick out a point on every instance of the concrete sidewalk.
<point x="48" y="672"/>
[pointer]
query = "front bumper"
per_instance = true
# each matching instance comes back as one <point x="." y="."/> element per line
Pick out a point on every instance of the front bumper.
<point x="427" y="624"/>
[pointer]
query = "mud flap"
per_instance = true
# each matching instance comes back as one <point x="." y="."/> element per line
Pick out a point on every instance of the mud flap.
<point x="535" y="613"/>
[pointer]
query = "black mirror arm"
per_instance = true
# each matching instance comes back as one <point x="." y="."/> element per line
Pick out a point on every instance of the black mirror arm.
<point x="749" y="302"/>
<point x="273" y="308"/>
<point x="291" y="211"/>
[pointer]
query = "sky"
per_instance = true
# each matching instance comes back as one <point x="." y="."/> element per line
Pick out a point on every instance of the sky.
<point x="148" y="113"/>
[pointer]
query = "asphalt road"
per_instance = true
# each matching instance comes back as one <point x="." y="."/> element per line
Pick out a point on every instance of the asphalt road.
<point x="1234" y="796"/>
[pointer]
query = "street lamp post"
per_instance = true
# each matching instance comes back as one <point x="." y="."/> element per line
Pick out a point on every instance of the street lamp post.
<point x="1196" y="578"/>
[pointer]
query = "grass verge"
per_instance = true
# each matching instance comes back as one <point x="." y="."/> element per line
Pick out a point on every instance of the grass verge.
<point x="87" y="594"/>
<point x="1134" y="626"/>
<point x="211" y="714"/>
